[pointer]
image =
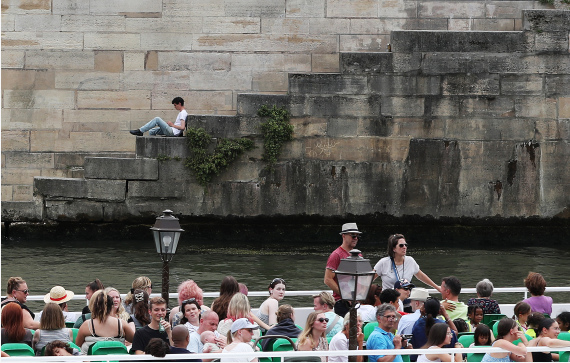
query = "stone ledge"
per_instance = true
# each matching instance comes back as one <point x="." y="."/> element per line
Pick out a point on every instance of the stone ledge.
<point x="155" y="146"/>
<point x="121" y="168"/>
<point x="446" y="41"/>
<point x="21" y="211"/>
<point x="546" y="20"/>
<point x="75" y="188"/>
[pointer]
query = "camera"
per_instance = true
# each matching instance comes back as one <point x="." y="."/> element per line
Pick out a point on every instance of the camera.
<point x="405" y="338"/>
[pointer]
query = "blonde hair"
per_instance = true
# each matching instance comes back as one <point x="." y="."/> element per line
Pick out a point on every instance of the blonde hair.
<point x="99" y="305"/>
<point x="121" y="312"/>
<point x="308" y="331"/>
<point x="239" y="307"/>
<point x="52" y="317"/>
<point x="141" y="282"/>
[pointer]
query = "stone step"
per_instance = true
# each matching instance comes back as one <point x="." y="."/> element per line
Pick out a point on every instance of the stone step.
<point x="76" y="188"/>
<point x="121" y="168"/>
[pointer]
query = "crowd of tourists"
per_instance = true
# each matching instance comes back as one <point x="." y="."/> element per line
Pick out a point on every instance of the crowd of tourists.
<point x="402" y="316"/>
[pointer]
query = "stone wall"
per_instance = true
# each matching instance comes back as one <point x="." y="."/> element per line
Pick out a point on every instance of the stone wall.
<point x="448" y="125"/>
<point x="77" y="74"/>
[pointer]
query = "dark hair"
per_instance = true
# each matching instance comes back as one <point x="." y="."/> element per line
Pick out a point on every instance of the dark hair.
<point x="392" y="242"/>
<point x="140" y="307"/>
<point x="184" y="320"/>
<point x="521" y="308"/>
<point x="534" y="319"/>
<point x="178" y="100"/>
<point x="54" y="344"/>
<point x="157" y="348"/>
<point x="504" y="326"/>
<point x="453" y="284"/>
<point x="564" y="318"/>
<point x="461" y="325"/>
<point x="95" y="285"/>
<point x="535" y="283"/>
<point x="482" y="330"/>
<point x="371" y="296"/>
<point x="437" y="335"/>
<point x="545" y="323"/>
<point x="472" y="309"/>
<point x="12" y="322"/>
<point x="389" y="296"/>
<point x="275" y="282"/>
<point x="13" y="284"/>
<point x="228" y="289"/>
<point x="431" y="308"/>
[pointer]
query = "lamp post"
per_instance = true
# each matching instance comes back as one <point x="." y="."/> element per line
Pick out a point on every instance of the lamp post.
<point x="166" y="232"/>
<point x="355" y="275"/>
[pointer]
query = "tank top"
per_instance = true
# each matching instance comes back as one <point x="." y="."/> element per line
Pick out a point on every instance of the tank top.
<point x="93" y="338"/>
<point x="47" y="336"/>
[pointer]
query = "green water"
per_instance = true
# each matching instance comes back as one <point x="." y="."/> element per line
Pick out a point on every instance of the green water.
<point x="73" y="264"/>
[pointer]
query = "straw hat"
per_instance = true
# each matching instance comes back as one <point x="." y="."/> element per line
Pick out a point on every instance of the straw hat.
<point x="58" y="295"/>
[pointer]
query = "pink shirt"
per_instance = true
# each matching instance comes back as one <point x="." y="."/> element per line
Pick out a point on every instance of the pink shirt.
<point x="541" y="304"/>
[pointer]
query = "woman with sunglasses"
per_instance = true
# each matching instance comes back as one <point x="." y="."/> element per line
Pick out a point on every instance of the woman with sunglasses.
<point x="313" y="337"/>
<point x="140" y="283"/>
<point x="399" y="267"/>
<point x="187" y="290"/>
<point x="268" y="309"/>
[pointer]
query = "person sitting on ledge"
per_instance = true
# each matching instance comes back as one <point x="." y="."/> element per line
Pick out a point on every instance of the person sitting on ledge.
<point x="166" y="128"/>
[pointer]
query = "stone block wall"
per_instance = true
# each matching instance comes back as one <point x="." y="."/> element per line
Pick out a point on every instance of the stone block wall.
<point x="77" y="74"/>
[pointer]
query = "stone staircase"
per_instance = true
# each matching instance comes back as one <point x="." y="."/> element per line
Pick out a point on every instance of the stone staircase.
<point x="448" y="124"/>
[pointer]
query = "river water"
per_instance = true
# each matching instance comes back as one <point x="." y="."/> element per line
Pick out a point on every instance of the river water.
<point x="74" y="264"/>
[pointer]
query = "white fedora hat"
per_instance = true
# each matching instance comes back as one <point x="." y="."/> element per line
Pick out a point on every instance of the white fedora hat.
<point x="350" y="228"/>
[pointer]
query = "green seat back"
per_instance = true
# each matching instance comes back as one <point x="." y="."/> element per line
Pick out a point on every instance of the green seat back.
<point x="475" y="357"/>
<point x="69" y="324"/>
<point x="107" y="347"/>
<point x="369" y="328"/>
<point x="18" y="350"/>
<point x="75" y="331"/>
<point x="528" y="339"/>
<point x="283" y="345"/>
<point x="487" y="318"/>
<point x="564" y="356"/>
<point x="564" y="335"/>
<point x="466" y="340"/>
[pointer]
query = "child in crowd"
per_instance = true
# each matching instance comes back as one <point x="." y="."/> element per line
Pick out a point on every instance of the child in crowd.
<point x="532" y="322"/>
<point x="522" y="312"/>
<point x="208" y="338"/>
<point x="475" y="315"/>
<point x="563" y="320"/>
<point x="461" y="325"/>
<point x="482" y="336"/>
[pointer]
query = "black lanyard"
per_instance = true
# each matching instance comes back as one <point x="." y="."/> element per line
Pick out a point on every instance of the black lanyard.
<point x="396" y="271"/>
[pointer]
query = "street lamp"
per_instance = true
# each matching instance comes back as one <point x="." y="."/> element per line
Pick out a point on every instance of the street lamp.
<point x="355" y="275"/>
<point x="166" y="232"/>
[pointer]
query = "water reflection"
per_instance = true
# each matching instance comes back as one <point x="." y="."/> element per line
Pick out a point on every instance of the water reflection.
<point x="117" y="264"/>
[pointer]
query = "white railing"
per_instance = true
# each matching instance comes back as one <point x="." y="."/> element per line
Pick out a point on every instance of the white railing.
<point x="498" y="290"/>
<point x="174" y="357"/>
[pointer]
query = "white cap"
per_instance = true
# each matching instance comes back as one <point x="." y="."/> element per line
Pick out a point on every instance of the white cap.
<point x="243" y="323"/>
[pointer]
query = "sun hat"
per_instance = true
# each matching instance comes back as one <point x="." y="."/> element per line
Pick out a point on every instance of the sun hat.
<point x="243" y="323"/>
<point x="419" y="293"/>
<point x="58" y="295"/>
<point x="350" y="228"/>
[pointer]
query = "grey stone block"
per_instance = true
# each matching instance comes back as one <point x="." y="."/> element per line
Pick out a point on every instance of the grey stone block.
<point x="551" y="42"/>
<point x="249" y="104"/>
<point x="72" y="188"/>
<point x="546" y="20"/>
<point x="365" y="63"/>
<point x="77" y="159"/>
<point x="446" y="41"/>
<point x="121" y="168"/>
<point x="453" y="62"/>
<point x="217" y="126"/>
<point x="471" y="84"/>
<point x="342" y="127"/>
<point x="395" y="85"/>
<point x="557" y="85"/>
<point x="31" y="211"/>
<point x="327" y="84"/>
<point x="158" y="189"/>
<point x="343" y="105"/>
<point x="152" y="147"/>
<point x="74" y="210"/>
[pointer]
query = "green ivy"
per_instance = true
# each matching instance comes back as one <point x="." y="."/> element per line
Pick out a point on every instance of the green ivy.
<point x="205" y="166"/>
<point x="276" y="131"/>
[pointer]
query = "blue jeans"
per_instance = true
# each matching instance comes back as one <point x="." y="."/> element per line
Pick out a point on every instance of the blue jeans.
<point x="163" y="128"/>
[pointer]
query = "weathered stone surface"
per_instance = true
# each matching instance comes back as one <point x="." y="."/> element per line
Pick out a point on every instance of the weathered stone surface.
<point x="58" y="188"/>
<point x="327" y="84"/>
<point x="546" y="20"/>
<point x="155" y="146"/>
<point x="118" y="99"/>
<point x="121" y="168"/>
<point x="480" y="85"/>
<point x="47" y="99"/>
<point x="355" y="63"/>
<point x="433" y="41"/>
<point x="249" y="104"/>
<point x="389" y="85"/>
<point x="67" y="60"/>
<point x="27" y="79"/>
<point x="21" y="211"/>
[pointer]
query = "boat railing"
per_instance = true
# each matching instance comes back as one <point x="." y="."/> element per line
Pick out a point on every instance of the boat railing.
<point x="497" y="290"/>
<point x="282" y="354"/>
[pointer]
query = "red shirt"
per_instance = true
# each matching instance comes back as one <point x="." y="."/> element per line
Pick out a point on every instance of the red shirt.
<point x="334" y="261"/>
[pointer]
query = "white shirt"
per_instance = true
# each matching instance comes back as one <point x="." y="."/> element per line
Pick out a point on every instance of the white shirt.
<point x="406" y="271"/>
<point x="367" y="312"/>
<point x="339" y="342"/>
<point x="181" y="117"/>
<point x="407" y="322"/>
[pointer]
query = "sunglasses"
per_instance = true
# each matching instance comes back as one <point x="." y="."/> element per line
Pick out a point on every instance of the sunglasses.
<point x="278" y="280"/>
<point x="323" y="320"/>
<point x="189" y="301"/>
<point x="27" y="291"/>
<point x="401" y="245"/>
<point x="148" y="287"/>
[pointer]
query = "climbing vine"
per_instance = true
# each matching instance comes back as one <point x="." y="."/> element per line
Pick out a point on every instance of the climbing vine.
<point x="204" y="165"/>
<point x="276" y="131"/>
